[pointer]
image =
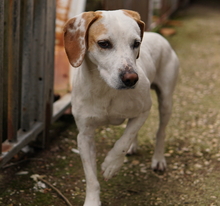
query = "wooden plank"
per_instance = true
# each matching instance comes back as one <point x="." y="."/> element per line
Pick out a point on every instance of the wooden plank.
<point x="44" y="37"/>
<point x="1" y="70"/>
<point x="5" y="73"/>
<point x="27" y="91"/>
<point x="23" y="139"/>
<point x="39" y="27"/>
<point x="12" y="65"/>
<point x="49" y="67"/>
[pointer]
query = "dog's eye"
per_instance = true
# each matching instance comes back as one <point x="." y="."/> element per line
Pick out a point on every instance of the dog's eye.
<point x="105" y="44"/>
<point x="136" y="44"/>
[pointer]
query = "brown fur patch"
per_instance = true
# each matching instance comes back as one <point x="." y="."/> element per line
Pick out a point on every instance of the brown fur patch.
<point x="75" y="33"/>
<point x="135" y="15"/>
<point x="72" y="44"/>
<point x="94" y="32"/>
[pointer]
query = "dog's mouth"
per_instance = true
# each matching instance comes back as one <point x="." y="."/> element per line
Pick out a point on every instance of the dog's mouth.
<point x="124" y="87"/>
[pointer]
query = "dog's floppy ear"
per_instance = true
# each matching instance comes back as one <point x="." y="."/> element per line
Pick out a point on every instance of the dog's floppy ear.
<point x="75" y="33"/>
<point x="136" y="16"/>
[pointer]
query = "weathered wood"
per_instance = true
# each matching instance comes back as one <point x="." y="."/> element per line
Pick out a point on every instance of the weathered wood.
<point x="23" y="139"/>
<point x="12" y="67"/>
<point x="27" y="78"/>
<point x="5" y="73"/>
<point x="39" y="57"/>
<point x="26" y="74"/>
<point x="49" y="67"/>
<point x="1" y="69"/>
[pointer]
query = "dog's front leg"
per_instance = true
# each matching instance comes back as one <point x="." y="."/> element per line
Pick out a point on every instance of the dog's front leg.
<point x="115" y="157"/>
<point x="86" y="146"/>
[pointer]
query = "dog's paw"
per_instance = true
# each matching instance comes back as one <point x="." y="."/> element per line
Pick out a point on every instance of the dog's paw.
<point x="92" y="203"/>
<point x="158" y="163"/>
<point x="112" y="165"/>
<point x="92" y="194"/>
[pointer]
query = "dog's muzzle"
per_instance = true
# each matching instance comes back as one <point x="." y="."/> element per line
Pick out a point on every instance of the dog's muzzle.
<point x="129" y="79"/>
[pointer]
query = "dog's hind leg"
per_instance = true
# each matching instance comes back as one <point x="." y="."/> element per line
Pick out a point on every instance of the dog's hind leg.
<point x="165" y="110"/>
<point x="134" y="146"/>
<point x="86" y="146"/>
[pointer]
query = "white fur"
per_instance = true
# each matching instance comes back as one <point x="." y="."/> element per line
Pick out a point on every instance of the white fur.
<point x="98" y="100"/>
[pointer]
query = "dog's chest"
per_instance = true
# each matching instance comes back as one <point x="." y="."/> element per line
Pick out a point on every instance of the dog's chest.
<point x="126" y="106"/>
<point x="113" y="109"/>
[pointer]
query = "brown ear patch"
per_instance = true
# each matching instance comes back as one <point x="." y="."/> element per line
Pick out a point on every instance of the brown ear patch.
<point x="73" y="46"/>
<point x="135" y="15"/>
<point x="75" y="33"/>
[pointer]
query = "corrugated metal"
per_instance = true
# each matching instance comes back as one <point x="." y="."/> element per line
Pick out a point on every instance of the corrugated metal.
<point x="27" y="43"/>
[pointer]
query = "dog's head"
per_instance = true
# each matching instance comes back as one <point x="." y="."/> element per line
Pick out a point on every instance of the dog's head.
<point x="111" y="40"/>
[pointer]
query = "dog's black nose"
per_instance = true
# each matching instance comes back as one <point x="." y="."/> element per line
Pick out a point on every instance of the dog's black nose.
<point x="129" y="78"/>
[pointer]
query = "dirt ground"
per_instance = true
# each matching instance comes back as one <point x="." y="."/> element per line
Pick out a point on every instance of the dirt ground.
<point x="192" y="144"/>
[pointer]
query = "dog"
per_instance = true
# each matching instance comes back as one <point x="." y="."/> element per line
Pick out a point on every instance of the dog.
<point x="117" y="63"/>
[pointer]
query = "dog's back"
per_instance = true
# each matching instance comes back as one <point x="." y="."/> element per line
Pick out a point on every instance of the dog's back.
<point x="157" y="57"/>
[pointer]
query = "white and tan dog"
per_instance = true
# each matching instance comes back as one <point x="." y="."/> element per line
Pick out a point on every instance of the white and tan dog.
<point x="119" y="64"/>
